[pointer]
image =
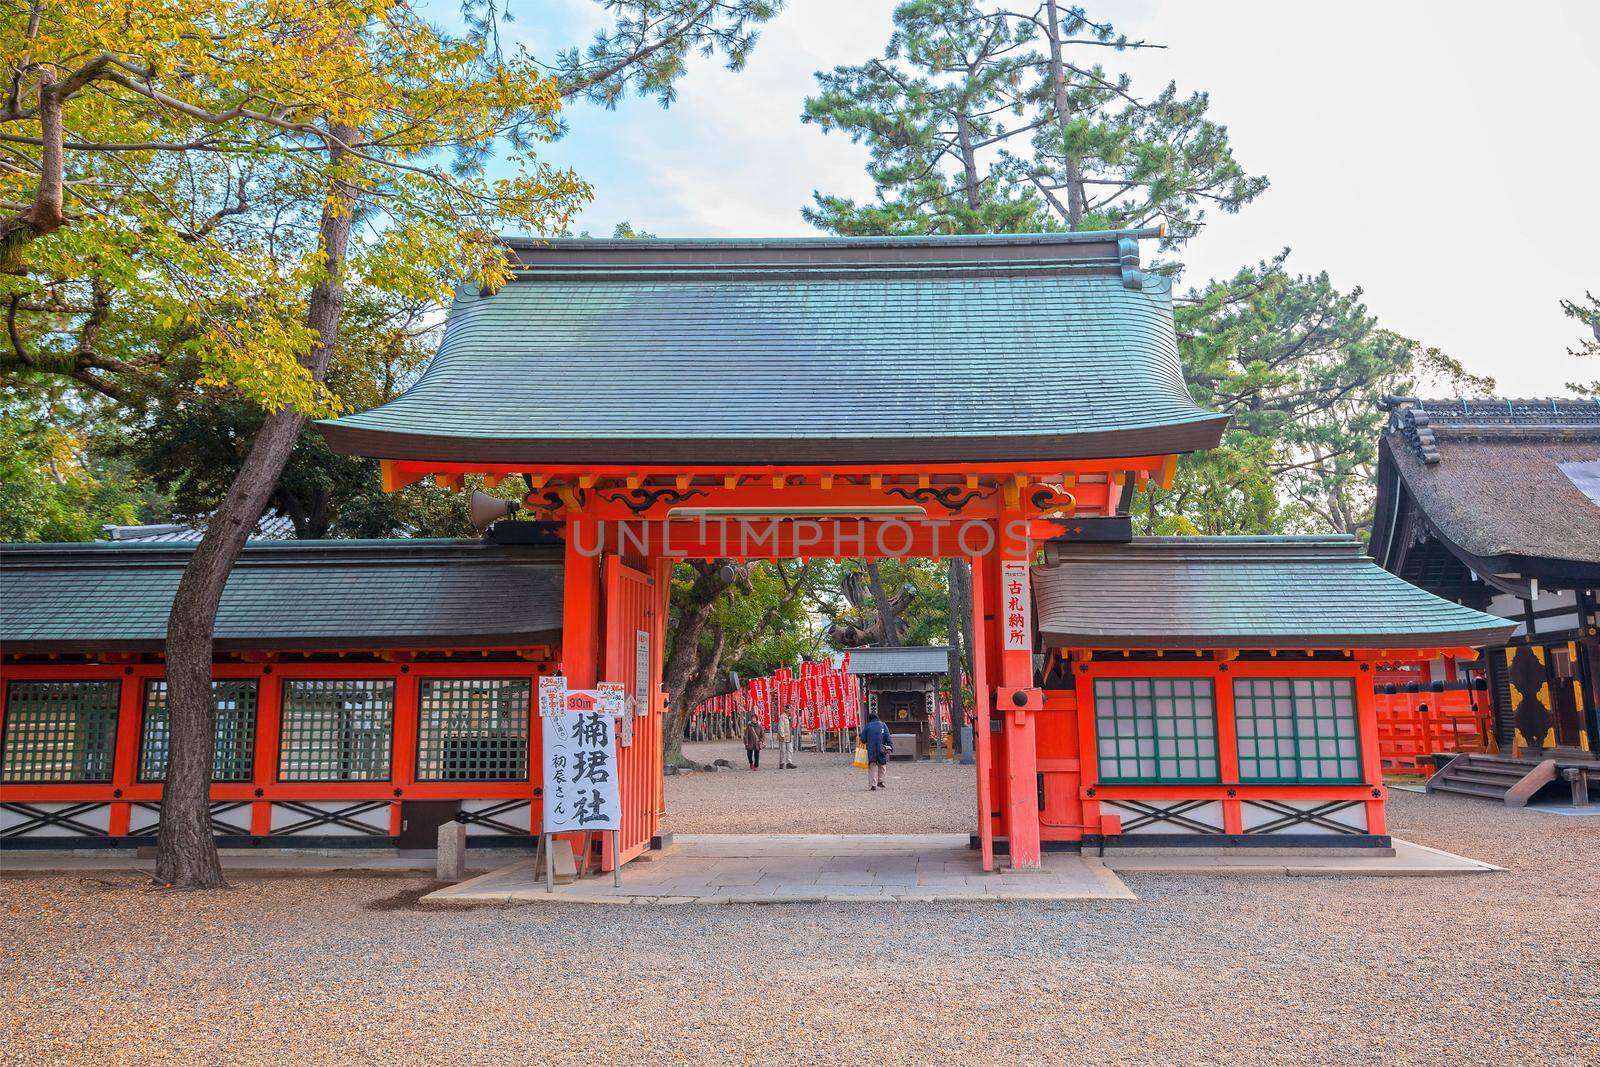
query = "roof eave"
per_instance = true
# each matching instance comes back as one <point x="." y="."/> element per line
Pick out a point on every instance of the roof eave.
<point x="1192" y="435"/>
<point x="1280" y="642"/>
<point x="368" y="643"/>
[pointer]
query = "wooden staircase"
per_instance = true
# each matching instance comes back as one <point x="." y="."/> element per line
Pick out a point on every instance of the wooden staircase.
<point x="1509" y="779"/>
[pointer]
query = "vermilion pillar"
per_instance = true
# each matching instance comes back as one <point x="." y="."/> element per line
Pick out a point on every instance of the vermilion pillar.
<point x="981" y="691"/>
<point x="1016" y="699"/>
<point x="580" y="608"/>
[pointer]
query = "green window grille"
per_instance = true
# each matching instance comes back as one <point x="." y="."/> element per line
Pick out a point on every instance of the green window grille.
<point x="336" y="731"/>
<point x="60" y="731"/>
<point x="473" y="729"/>
<point x="235" y="702"/>
<point x="1152" y="730"/>
<point x="1297" y="730"/>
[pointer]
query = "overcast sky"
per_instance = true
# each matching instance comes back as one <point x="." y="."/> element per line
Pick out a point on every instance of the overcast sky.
<point x="1442" y="156"/>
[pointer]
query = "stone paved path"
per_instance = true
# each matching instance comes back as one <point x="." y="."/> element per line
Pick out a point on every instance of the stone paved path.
<point x="796" y="868"/>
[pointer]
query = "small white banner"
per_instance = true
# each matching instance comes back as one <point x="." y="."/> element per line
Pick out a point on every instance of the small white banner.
<point x="1014" y="599"/>
<point x="641" y="672"/>
<point x="580" y="772"/>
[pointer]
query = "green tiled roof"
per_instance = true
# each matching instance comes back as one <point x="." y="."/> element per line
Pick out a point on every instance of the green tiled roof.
<point x="820" y="350"/>
<point x="1242" y="592"/>
<point x="284" y="594"/>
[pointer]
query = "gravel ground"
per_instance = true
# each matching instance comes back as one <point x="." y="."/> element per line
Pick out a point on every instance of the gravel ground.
<point x="1485" y="970"/>
<point x="825" y="794"/>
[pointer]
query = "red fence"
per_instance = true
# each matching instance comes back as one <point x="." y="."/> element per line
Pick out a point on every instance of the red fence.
<point x="1418" y="717"/>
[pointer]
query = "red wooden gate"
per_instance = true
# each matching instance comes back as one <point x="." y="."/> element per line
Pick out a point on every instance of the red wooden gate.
<point x="633" y="638"/>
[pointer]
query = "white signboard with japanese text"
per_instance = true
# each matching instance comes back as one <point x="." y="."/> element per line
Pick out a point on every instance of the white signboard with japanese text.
<point x="552" y="694"/>
<point x="1014" y="601"/>
<point x="641" y="672"/>
<point x="580" y="772"/>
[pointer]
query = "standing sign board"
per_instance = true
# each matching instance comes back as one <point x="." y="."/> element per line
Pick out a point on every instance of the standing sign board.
<point x="579" y="728"/>
<point x="1014" y="590"/>
<point x="580" y="773"/>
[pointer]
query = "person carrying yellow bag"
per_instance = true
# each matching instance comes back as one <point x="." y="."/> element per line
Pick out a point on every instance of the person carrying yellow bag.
<point x="875" y="736"/>
<point x="861" y="755"/>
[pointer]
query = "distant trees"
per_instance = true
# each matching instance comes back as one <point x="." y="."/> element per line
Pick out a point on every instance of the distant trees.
<point x="1300" y="366"/>
<point x="1587" y="312"/>
<point x="725" y="616"/>
<point x="982" y="119"/>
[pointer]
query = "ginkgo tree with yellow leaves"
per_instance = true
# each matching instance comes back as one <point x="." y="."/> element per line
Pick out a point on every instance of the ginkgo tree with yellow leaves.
<point x="204" y="178"/>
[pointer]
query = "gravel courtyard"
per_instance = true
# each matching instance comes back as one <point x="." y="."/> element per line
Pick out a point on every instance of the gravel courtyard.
<point x="825" y="794"/>
<point x="1493" y="969"/>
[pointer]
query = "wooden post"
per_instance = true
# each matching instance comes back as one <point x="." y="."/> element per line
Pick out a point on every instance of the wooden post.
<point x="980" y="710"/>
<point x="1371" y="755"/>
<point x="1016" y="674"/>
<point x="580" y="613"/>
<point x="125" y="756"/>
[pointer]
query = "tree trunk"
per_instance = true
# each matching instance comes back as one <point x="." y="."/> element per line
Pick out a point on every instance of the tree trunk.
<point x="969" y="165"/>
<point x="958" y="611"/>
<point x="888" y="622"/>
<point x="186" y="855"/>
<point x="680" y="672"/>
<point x="1076" y="199"/>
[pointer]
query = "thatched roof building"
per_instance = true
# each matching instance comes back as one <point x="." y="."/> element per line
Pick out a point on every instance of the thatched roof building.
<point x="1496" y="504"/>
<point x="1490" y="493"/>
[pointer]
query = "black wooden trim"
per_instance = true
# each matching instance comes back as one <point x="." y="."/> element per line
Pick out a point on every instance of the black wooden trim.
<point x="1289" y="815"/>
<point x="64" y="818"/>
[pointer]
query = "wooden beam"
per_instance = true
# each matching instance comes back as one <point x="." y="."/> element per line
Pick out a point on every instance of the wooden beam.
<point x="393" y="480"/>
<point x="492" y="481"/>
<point x="633" y="481"/>
<point x="1169" y="471"/>
<point x="827" y="482"/>
<point x="452" y="482"/>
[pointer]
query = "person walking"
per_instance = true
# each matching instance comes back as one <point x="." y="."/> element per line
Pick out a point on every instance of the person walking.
<point x="753" y="736"/>
<point x="785" y="741"/>
<point x="876" y="735"/>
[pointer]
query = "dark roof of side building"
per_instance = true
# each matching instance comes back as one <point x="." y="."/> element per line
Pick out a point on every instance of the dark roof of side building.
<point x="907" y="659"/>
<point x="1499" y="483"/>
<point x="271" y="527"/>
<point x="1241" y="592"/>
<point x="940" y="349"/>
<point x="284" y="594"/>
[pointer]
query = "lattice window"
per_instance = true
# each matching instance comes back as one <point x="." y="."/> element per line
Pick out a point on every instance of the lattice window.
<point x="60" y="731"/>
<point x="1297" y="730"/>
<point x="473" y="729"/>
<point x="336" y="731"/>
<point x="235" y="701"/>
<point x="1156" y="729"/>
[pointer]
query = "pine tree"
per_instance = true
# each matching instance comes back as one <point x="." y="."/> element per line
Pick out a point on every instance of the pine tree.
<point x="978" y="121"/>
